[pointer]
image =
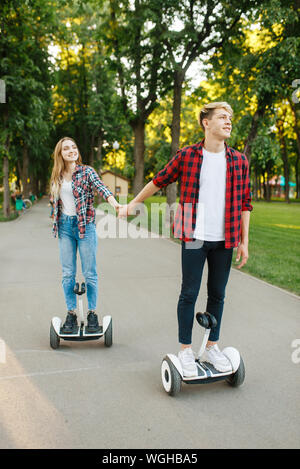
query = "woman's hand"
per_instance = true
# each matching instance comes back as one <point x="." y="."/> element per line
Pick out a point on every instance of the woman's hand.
<point x="129" y="209"/>
<point x="113" y="202"/>
<point x="123" y="211"/>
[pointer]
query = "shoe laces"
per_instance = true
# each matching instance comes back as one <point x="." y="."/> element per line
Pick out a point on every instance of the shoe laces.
<point x="187" y="356"/>
<point x="216" y="352"/>
<point x="71" y="317"/>
<point x="92" y="315"/>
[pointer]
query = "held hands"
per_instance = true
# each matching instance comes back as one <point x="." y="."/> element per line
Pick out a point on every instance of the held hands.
<point x="125" y="210"/>
<point x="122" y="210"/>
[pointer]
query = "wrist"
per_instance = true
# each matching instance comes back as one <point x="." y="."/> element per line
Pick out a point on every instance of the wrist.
<point x="112" y="201"/>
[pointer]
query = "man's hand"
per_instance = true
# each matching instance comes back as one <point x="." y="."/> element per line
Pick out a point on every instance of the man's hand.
<point x="242" y="250"/>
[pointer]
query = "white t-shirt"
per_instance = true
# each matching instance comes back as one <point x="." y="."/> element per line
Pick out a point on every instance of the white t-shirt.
<point x="210" y="222"/>
<point x="67" y="198"/>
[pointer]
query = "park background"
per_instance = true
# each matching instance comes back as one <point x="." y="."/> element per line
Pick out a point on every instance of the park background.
<point x="126" y="80"/>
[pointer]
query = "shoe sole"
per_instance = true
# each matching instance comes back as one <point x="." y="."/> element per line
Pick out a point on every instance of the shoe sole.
<point x="190" y="375"/>
<point x="72" y="331"/>
<point x="93" y="329"/>
<point x="219" y="369"/>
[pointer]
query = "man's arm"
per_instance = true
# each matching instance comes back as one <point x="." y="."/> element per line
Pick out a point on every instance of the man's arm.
<point x="165" y="176"/>
<point x="242" y="250"/>
<point x="147" y="191"/>
<point x="243" y="246"/>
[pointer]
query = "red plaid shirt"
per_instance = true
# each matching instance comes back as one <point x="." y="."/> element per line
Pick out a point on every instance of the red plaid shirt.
<point x="85" y="181"/>
<point x="186" y="165"/>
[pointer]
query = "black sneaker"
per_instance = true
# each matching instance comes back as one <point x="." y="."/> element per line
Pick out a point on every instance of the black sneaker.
<point x="70" y="324"/>
<point x="92" y="322"/>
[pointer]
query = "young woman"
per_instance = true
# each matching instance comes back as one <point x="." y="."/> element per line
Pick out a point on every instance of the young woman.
<point x="72" y="186"/>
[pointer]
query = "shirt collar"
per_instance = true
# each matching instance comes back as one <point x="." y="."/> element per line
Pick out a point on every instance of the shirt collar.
<point x="227" y="150"/>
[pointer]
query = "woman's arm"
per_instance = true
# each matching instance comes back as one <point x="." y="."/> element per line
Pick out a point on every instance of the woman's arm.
<point x="98" y="186"/>
<point x="113" y="202"/>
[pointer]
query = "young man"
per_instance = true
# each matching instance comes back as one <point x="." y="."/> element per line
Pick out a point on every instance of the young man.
<point x="212" y="219"/>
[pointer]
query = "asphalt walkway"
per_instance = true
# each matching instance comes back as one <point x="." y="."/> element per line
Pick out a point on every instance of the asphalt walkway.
<point x="85" y="395"/>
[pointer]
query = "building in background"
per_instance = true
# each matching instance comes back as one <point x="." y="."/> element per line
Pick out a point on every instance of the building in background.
<point x="117" y="184"/>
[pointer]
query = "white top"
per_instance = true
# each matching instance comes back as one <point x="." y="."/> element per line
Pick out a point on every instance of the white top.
<point x="67" y="198"/>
<point x="210" y="221"/>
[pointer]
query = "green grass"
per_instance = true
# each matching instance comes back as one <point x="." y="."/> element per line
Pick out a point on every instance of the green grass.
<point x="274" y="244"/>
<point x="12" y="216"/>
<point x="274" y="241"/>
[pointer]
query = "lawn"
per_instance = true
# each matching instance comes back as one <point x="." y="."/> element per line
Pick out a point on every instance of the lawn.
<point x="274" y="244"/>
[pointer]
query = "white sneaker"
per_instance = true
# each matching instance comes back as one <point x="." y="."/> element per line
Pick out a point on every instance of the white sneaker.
<point x="214" y="356"/>
<point x="187" y="360"/>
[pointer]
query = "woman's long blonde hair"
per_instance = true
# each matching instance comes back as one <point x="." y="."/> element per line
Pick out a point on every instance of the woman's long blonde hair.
<point x="59" y="167"/>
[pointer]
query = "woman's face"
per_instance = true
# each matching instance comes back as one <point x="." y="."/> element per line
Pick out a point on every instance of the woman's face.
<point x="69" y="151"/>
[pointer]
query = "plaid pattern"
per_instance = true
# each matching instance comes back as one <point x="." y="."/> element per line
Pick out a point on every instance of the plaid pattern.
<point x="186" y="165"/>
<point x="85" y="181"/>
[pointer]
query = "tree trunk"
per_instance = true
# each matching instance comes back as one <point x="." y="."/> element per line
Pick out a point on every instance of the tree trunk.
<point x="268" y="188"/>
<point x="175" y="134"/>
<point x="99" y="152"/>
<point x="297" y="132"/>
<point x="25" y="172"/>
<point x="286" y="170"/>
<point x="259" y="114"/>
<point x="265" y="187"/>
<point x="256" y="186"/>
<point x="285" y="160"/>
<point x="91" y="158"/>
<point x="138" y="153"/>
<point x="6" y="194"/>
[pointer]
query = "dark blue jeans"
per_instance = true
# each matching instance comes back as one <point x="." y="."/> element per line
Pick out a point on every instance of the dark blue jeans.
<point x="193" y="257"/>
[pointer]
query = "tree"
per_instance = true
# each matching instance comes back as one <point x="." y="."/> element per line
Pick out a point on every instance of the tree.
<point x="257" y="70"/>
<point x="204" y="28"/>
<point x="24" y="66"/>
<point x="86" y="104"/>
<point x="135" y="31"/>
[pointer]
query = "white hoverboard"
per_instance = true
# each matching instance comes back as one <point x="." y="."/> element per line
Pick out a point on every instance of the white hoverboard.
<point x="80" y="333"/>
<point x="171" y="369"/>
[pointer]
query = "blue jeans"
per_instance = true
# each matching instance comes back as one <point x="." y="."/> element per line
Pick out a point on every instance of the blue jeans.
<point x="193" y="260"/>
<point x="69" y="241"/>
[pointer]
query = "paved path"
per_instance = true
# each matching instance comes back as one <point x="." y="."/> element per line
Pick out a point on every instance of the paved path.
<point x="87" y="396"/>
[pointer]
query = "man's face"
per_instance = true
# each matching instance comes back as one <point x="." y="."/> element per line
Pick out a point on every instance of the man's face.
<point x="69" y="150"/>
<point x="219" y="125"/>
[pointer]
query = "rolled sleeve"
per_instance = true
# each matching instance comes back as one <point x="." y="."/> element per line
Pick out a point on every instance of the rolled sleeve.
<point x="170" y="172"/>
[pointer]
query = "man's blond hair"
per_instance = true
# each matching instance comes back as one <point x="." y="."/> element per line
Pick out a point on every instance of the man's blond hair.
<point x="207" y="111"/>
